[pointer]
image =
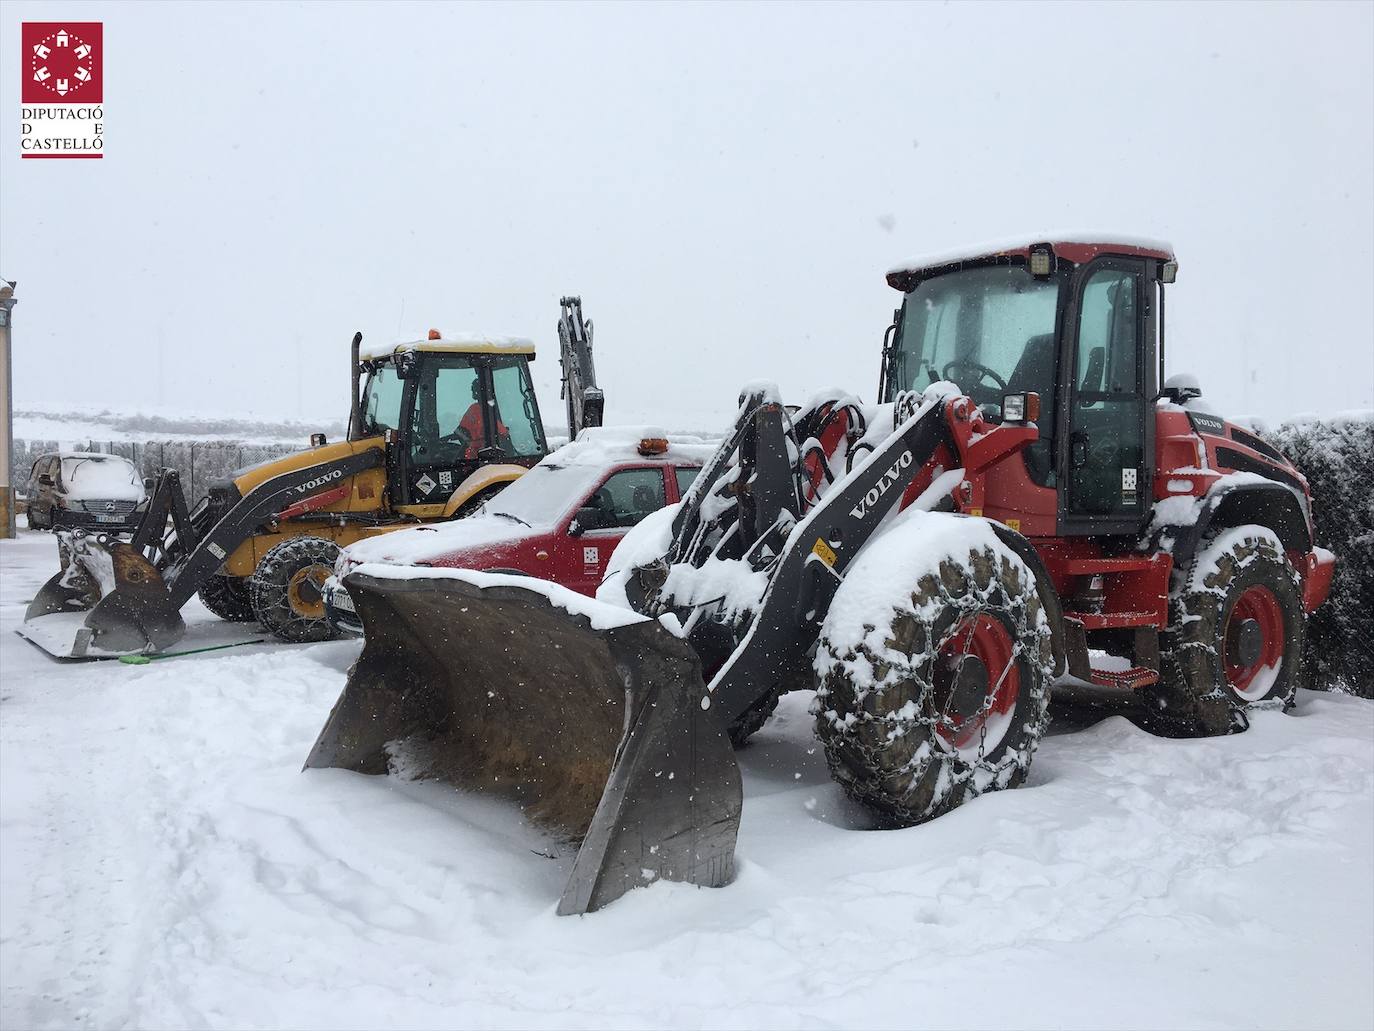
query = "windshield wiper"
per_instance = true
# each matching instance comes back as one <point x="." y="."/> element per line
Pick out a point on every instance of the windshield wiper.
<point x="507" y="515"/>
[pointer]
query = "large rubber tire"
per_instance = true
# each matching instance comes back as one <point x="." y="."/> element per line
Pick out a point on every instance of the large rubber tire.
<point x="285" y="588"/>
<point x="1239" y="575"/>
<point x="887" y="710"/>
<point x="228" y="597"/>
<point x="752" y="719"/>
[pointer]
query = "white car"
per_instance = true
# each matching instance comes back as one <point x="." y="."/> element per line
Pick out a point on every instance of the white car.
<point x="86" y="490"/>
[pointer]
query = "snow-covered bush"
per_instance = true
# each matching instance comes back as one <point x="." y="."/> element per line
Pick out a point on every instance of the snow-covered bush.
<point x="1336" y="454"/>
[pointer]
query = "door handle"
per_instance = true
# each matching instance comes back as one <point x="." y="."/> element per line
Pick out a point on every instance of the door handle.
<point x="1078" y="448"/>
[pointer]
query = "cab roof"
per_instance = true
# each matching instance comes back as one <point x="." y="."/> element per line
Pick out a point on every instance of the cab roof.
<point x="453" y="343"/>
<point x="1076" y="247"/>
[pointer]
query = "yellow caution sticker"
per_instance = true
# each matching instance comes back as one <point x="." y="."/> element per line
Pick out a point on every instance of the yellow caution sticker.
<point x="824" y="552"/>
<point x="1014" y="524"/>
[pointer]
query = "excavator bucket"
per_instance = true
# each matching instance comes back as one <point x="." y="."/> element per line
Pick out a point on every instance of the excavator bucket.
<point x="107" y="600"/>
<point x="604" y="736"/>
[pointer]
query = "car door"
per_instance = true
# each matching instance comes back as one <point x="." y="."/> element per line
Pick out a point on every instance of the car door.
<point x="50" y="467"/>
<point x="623" y="497"/>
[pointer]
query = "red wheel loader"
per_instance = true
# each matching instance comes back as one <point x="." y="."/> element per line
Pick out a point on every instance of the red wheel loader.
<point x="931" y="565"/>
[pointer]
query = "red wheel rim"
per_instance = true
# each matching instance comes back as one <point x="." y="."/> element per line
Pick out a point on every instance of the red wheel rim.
<point x="988" y="640"/>
<point x="1254" y="680"/>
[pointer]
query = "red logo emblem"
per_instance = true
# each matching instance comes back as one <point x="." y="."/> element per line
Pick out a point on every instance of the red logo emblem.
<point x="62" y="62"/>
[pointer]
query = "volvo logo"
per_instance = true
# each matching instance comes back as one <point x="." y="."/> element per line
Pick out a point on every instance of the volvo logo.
<point x="318" y="481"/>
<point x="884" y="484"/>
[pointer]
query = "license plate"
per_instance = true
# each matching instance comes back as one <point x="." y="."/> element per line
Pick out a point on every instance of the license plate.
<point x="340" y="600"/>
<point x="102" y="517"/>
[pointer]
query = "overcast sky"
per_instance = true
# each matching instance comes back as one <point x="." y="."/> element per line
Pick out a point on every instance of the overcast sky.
<point x="724" y="185"/>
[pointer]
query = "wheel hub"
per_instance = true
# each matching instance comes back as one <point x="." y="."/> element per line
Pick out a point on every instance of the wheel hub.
<point x="976" y="685"/>
<point x="1253" y="644"/>
<point x="1244" y="643"/>
<point x="968" y="686"/>
<point x="306" y="592"/>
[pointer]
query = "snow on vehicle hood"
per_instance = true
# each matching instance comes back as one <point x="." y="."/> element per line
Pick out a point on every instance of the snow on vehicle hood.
<point x="96" y="477"/>
<point x="418" y="544"/>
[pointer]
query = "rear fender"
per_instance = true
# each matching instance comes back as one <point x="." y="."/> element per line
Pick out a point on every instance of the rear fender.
<point x="1263" y="504"/>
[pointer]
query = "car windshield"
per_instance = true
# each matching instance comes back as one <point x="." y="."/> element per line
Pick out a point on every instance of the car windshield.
<point x="990" y="330"/>
<point x="546" y="493"/>
<point x="100" y="476"/>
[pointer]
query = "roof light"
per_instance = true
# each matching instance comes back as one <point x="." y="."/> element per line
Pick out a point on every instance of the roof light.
<point x="1168" y="272"/>
<point x="1041" y="261"/>
<point x="653" y="446"/>
<point x="434" y="334"/>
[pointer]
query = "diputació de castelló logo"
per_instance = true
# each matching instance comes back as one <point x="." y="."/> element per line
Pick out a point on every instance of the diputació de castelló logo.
<point x="63" y="98"/>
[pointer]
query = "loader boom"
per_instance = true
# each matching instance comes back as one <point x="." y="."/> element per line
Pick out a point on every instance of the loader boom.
<point x="816" y="555"/>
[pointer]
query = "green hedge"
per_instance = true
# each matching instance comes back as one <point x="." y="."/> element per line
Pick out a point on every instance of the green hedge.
<point x="1336" y="454"/>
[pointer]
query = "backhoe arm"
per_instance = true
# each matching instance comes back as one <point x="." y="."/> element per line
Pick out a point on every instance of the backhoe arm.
<point x="584" y="399"/>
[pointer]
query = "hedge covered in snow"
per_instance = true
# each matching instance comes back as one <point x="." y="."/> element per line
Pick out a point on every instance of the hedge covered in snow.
<point x="1336" y="454"/>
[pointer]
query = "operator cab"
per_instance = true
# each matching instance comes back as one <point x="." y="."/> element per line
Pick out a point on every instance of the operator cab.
<point x="450" y="406"/>
<point x="1072" y="322"/>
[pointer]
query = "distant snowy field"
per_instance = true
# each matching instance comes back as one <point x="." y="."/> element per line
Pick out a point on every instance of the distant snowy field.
<point x="164" y="863"/>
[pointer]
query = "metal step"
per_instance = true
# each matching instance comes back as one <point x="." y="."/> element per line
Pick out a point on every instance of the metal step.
<point x="1130" y="679"/>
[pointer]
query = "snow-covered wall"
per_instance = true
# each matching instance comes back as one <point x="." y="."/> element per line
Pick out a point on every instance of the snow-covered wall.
<point x="1336" y="454"/>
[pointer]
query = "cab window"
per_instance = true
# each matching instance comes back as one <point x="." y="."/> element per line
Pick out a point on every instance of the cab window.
<point x="516" y="408"/>
<point x="382" y="401"/>
<point x="447" y="425"/>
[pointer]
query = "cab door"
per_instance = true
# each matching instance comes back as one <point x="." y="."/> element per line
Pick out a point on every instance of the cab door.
<point x="621" y="500"/>
<point x="445" y="428"/>
<point x="1108" y="444"/>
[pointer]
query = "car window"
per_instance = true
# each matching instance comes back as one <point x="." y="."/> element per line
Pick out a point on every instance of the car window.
<point x="628" y="496"/>
<point x="685" y="476"/>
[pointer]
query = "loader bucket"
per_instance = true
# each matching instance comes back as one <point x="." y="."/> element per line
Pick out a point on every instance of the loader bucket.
<point x="107" y="600"/>
<point x="599" y="735"/>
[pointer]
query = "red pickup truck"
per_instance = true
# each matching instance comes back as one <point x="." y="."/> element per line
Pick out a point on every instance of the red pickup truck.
<point x="559" y="522"/>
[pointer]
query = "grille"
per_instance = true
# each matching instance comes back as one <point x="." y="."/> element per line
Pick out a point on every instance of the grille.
<point x="103" y="507"/>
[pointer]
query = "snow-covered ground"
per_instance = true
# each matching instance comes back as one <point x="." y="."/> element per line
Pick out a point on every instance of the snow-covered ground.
<point x="164" y="863"/>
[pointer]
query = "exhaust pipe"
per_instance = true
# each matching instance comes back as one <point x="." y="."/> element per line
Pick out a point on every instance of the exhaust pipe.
<point x="355" y="407"/>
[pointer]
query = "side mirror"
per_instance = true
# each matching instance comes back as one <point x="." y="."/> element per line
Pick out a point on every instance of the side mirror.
<point x="318" y="440"/>
<point x="149" y="483"/>
<point x="586" y="519"/>
<point x="45" y="480"/>
<point x="1181" y="388"/>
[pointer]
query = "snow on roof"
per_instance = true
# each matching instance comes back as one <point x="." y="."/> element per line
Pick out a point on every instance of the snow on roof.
<point x="467" y="343"/>
<point x="1099" y="240"/>
<point x="604" y="445"/>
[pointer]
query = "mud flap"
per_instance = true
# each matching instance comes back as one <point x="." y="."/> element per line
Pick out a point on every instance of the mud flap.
<point x="600" y="735"/>
<point x="137" y="615"/>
